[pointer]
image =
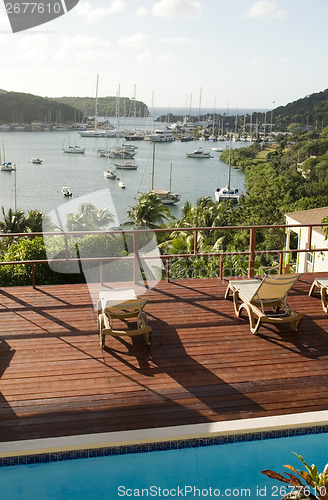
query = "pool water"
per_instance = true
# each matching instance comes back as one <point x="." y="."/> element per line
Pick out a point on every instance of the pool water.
<point x="229" y="470"/>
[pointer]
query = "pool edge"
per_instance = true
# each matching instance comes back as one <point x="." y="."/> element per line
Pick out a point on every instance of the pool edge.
<point x="174" y="434"/>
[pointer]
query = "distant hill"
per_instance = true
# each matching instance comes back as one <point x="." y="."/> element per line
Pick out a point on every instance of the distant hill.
<point x="311" y="110"/>
<point x="107" y="106"/>
<point x="17" y="107"/>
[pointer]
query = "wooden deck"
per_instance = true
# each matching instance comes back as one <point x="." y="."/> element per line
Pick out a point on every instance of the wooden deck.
<point x="204" y="365"/>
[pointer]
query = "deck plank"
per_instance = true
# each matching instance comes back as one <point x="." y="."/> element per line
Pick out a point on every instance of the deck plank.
<point x="203" y="366"/>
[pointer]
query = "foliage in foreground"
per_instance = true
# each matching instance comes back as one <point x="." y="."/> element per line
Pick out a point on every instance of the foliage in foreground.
<point x="318" y="482"/>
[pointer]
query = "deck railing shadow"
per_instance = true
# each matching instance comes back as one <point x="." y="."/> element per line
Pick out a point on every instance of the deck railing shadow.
<point x="6" y="356"/>
<point x="194" y="379"/>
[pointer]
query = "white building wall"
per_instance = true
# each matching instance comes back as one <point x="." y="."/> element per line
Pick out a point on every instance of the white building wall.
<point x="314" y="261"/>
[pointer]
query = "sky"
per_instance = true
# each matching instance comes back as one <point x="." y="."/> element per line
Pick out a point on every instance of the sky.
<point x="237" y="54"/>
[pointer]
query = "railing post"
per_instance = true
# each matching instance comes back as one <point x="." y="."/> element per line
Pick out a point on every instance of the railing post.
<point x="195" y="241"/>
<point x="309" y="238"/>
<point x="101" y="270"/>
<point x="136" y="258"/>
<point x="221" y="266"/>
<point x="252" y="246"/>
<point x="167" y="270"/>
<point x="33" y="275"/>
<point x="281" y="257"/>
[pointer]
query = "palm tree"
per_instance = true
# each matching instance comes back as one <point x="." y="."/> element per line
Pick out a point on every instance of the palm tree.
<point x="149" y="212"/>
<point x="89" y="218"/>
<point x="35" y="220"/>
<point x="14" y="221"/>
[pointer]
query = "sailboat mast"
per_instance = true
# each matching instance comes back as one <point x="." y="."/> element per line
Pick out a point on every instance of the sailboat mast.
<point x="229" y="174"/>
<point x="153" y="169"/>
<point x="15" y="190"/>
<point x="96" y="105"/>
<point x="170" y="177"/>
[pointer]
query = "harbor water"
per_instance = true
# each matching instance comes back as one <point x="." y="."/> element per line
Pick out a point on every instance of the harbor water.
<point x="34" y="186"/>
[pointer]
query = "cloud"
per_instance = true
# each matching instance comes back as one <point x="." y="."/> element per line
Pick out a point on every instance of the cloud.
<point x="69" y="43"/>
<point x="142" y="11"/>
<point x="4" y="41"/>
<point x="90" y="13"/>
<point x="180" y="39"/>
<point x="150" y="58"/>
<point x="177" y="8"/>
<point x="266" y="8"/>
<point x="258" y="60"/>
<point x="4" y="22"/>
<point x="137" y="40"/>
<point x="33" y="47"/>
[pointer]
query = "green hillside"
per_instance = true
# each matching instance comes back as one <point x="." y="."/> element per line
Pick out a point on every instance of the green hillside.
<point x="17" y="107"/>
<point x="107" y="106"/>
<point x="310" y="110"/>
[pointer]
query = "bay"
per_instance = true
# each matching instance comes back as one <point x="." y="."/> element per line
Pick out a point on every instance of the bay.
<point x="39" y="186"/>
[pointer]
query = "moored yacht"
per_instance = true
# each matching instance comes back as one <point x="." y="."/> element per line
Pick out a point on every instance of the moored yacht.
<point x="162" y="136"/>
<point x="66" y="191"/>
<point x="166" y="197"/>
<point x="7" y="166"/>
<point x="226" y="194"/>
<point x="74" y="150"/>
<point x="199" y="153"/>
<point x="109" y="174"/>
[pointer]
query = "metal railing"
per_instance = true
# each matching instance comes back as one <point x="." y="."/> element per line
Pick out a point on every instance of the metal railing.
<point x="135" y="255"/>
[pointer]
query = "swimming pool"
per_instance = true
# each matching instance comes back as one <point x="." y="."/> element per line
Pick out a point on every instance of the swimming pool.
<point x="195" y="469"/>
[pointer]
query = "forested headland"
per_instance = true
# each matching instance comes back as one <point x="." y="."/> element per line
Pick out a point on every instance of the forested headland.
<point x="22" y="108"/>
<point x="17" y="107"/>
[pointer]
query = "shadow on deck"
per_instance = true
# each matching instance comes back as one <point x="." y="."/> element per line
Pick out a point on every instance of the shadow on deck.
<point x="204" y="365"/>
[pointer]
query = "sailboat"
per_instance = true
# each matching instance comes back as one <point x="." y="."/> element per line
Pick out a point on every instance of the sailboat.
<point x="73" y="149"/>
<point x="228" y="193"/>
<point x="95" y="132"/>
<point x="166" y="197"/>
<point x="6" y="166"/>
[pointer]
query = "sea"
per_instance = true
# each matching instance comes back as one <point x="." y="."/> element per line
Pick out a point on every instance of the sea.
<point x="33" y="186"/>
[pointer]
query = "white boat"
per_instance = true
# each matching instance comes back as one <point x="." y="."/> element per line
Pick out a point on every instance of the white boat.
<point x="166" y="197"/>
<point x="36" y="161"/>
<point x="66" y="191"/>
<point x="218" y="149"/>
<point x="7" y="166"/>
<point x="109" y="174"/>
<point x="121" y="185"/>
<point x="126" y="166"/>
<point x="199" y="153"/>
<point x="228" y="193"/>
<point x="74" y="150"/>
<point x="133" y="136"/>
<point x="95" y="132"/>
<point x="162" y="136"/>
<point x="120" y="154"/>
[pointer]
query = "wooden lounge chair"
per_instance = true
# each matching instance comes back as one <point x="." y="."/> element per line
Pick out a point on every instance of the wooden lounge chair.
<point x="322" y="284"/>
<point x="112" y="306"/>
<point x="265" y="300"/>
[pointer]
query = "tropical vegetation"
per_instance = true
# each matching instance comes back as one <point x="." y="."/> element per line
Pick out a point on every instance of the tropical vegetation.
<point x="287" y="175"/>
<point x="317" y="481"/>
